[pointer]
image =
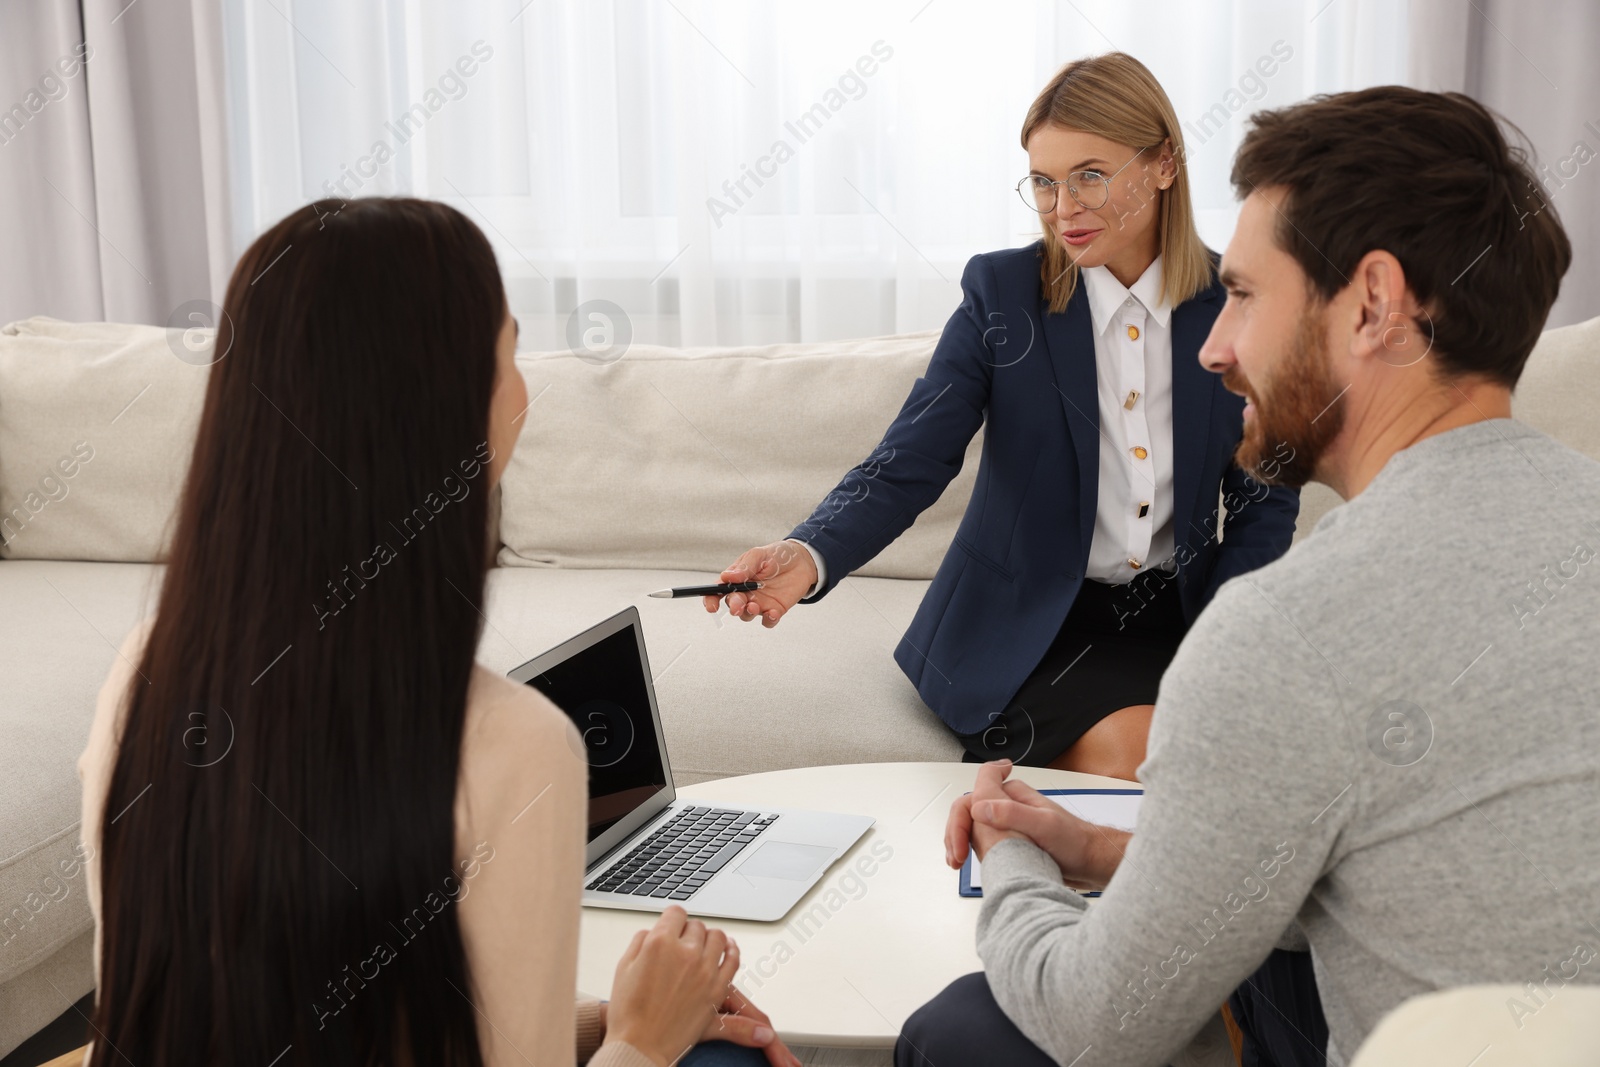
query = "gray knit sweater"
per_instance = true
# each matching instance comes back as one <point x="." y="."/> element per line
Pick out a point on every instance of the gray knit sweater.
<point x="1389" y="740"/>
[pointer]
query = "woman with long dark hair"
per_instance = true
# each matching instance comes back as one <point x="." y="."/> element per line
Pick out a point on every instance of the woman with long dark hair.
<point x="319" y="832"/>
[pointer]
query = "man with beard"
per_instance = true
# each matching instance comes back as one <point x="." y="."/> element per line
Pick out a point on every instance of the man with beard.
<point x="1383" y="745"/>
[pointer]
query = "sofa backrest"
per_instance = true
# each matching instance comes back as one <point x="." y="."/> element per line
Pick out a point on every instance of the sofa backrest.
<point x="681" y="459"/>
<point x="97" y="423"/>
<point x="670" y="458"/>
<point x="1558" y="393"/>
<point x="635" y="464"/>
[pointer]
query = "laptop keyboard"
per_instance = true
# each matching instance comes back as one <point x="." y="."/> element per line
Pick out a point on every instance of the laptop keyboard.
<point x="683" y="853"/>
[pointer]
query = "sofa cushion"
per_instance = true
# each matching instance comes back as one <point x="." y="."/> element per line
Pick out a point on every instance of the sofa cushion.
<point x="683" y="458"/>
<point x="1559" y="393"/>
<point x="30" y="1001"/>
<point x="97" y="423"/>
<point x="58" y="636"/>
<point x="819" y="688"/>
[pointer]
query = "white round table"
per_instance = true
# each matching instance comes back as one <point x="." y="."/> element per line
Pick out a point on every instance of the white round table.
<point x="878" y="935"/>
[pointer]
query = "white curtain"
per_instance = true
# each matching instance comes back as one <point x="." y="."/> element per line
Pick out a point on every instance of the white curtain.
<point x="744" y="173"/>
<point x="44" y="142"/>
<point x="113" y="171"/>
<point x="1534" y="64"/>
<point x="717" y="173"/>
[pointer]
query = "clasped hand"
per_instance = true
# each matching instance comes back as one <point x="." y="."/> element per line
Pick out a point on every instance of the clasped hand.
<point x="999" y="807"/>
<point x="674" y="988"/>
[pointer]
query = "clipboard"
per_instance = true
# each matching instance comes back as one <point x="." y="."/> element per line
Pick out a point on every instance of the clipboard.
<point x="1122" y="817"/>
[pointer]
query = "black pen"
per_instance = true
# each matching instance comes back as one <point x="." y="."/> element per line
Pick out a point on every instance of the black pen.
<point x="708" y="590"/>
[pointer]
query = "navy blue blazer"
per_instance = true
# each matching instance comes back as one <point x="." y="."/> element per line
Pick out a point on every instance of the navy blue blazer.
<point x="1021" y="549"/>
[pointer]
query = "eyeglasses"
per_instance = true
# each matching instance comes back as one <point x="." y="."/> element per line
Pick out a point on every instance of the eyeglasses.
<point x="1090" y="188"/>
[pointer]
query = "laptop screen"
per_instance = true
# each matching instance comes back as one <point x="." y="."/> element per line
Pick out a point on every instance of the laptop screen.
<point x="602" y="689"/>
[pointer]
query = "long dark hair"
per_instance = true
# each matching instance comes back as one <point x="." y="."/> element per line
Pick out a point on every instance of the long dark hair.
<point x="316" y="630"/>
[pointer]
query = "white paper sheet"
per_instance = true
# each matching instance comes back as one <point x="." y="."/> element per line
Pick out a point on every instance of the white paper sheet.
<point x="1105" y="809"/>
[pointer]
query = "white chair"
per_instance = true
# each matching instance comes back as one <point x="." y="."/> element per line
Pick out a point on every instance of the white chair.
<point x="1489" y="1026"/>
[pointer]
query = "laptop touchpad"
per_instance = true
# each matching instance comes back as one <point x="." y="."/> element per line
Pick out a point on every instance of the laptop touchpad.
<point x="785" y="859"/>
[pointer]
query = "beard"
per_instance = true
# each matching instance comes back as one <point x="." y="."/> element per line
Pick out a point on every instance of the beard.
<point x="1289" y="433"/>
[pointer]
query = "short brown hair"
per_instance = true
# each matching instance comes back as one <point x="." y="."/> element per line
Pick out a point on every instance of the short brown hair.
<point x="1432" y="179"/>
<point x="1116" y="97"/>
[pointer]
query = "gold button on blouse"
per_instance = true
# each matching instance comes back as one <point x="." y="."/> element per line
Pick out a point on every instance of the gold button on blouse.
<point x="1139" y="452"/>
<point x="1133" y="333"/>
<point x="1134" y="564"/>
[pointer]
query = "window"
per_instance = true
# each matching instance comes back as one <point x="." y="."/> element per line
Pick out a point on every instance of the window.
<point x="745" y="173"/>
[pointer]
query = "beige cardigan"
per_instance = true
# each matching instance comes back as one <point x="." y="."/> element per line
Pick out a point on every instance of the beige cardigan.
<point x="520" y="813"/>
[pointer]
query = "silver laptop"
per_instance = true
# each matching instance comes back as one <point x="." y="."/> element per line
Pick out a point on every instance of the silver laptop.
<point x="648" y="849"/>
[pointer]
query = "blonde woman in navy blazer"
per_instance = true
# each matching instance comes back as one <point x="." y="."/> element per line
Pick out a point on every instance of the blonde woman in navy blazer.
<point x="1093" y="537"/>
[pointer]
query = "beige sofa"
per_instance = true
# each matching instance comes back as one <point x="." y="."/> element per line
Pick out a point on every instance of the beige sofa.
<point x="655" y="469"/>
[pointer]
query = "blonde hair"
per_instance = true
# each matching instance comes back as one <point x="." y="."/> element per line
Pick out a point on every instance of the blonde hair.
<point x="1116" y="97"/>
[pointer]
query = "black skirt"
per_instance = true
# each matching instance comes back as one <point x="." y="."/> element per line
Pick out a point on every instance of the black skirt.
<point x="1109" y="653"/>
